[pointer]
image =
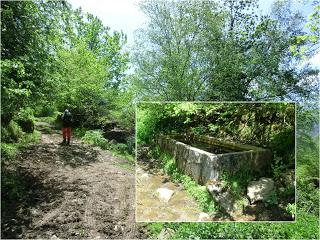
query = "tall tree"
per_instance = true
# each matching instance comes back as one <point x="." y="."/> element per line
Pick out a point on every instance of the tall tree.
<point x="27" y="45"/>
<point x="204" y="50"/>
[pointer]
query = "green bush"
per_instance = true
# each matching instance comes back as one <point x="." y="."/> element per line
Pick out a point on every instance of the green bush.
<point x="308" y="197"/>
<point x="46" y="129"/>
<point x="12" y="187"/>
<point x="146" y="126"/>
<point x="278" y="167"/>
<point x="11" y="133"/>
<point x="29" y="138"/>
<point x="272" y="199"/>
<point x="291" y="209"/>
<point x="25" y="119"/>
<point x="199" y="130"/>
<point x="47" y="110"/>
<point x="80" y="132"/>
<point x="95" y="137"/>
<point x="121" y="147"/>
<point x="238" y="182"/>
<point x="155" y="228"/>
<point x="8" y="150"/>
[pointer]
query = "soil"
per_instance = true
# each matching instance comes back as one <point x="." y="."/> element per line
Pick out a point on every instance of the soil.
<point x="74" y="191"/>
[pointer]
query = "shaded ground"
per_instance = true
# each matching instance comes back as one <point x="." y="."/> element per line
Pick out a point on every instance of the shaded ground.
<point x="68" y="192"/>
<point x="181" y="207"/>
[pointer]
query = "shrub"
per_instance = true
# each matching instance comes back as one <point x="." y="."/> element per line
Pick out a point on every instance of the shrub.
<point x="272" y="199"/>
<point x="47" y="110"/>
<point x="25" y="119"/>
<point x="11" y="133"/>
<point x="8" y="151"/>
<point x="120" y="147"/>
<point x="29" y="138"/>
<point x="80" y="132"/>
<point x="291" y="209"/>
<point x="155" y="228"/>
<point x="96" y="138"/>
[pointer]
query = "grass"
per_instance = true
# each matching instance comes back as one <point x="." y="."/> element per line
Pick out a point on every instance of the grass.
<point x="124" y="155"/>
<point x="95" y="138"/>
<point x="198" y="192"/>
<point x="306" y="227"/>
<point x="127" y="166"/>
<point x="9" y="150"/>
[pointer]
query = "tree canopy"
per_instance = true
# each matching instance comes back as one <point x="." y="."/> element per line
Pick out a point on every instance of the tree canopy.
<point x="206" y="50"/>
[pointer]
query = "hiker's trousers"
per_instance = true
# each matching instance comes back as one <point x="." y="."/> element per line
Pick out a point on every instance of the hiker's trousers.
<point x="66" y="133"/>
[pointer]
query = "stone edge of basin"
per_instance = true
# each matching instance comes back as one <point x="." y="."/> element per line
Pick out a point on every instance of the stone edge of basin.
<point x="212" y="140"/>
<point x="259" y="158"/>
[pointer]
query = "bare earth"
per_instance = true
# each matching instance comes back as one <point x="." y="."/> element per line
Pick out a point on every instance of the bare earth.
<point x="72" y="191"/>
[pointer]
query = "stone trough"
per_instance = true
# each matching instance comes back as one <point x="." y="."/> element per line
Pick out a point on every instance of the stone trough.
<point x="204" y="165"/>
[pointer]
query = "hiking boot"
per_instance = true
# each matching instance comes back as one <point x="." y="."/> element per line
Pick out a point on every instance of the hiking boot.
<point x="63" y="142"/>
<point x="68" y="142"/>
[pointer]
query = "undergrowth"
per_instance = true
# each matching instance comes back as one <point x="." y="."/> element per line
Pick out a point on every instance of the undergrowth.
<point x="95" y="138"/>
<point x="9" y="150"/>
<point x="306" y="227"/>
<point x="12" y="186"/>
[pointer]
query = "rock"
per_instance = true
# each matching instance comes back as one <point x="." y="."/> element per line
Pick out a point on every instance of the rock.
<point x="166" y="233"/>
<point x="226" y="201"/>
<point x="142" y="152"/>
<point x="239" y="206"/>
<point x="288" y="178"/>
<point x="260" y="190"/>
<point x="144" y="176"/>
<point x="214" y="186"/>
<point x="204" y="217"/>
<point x="117" y="134"/>
<point x="229" y="203"/>
<point x="164" y="194"/>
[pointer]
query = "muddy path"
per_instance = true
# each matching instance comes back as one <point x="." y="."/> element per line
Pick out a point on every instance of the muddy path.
<point x="181" y="207"/>
<point x="74" y="191"/>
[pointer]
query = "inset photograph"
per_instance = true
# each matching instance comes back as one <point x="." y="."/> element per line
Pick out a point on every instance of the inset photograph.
<point x="215" y="161"/>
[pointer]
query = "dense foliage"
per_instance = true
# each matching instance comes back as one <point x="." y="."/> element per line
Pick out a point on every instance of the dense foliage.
<point x="207" y="50"/>
<point x="271" y="125"/>
<point x="54" y="57"/>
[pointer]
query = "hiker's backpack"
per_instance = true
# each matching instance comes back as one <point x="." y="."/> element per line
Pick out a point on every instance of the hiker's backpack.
<point x="67" y="118"/>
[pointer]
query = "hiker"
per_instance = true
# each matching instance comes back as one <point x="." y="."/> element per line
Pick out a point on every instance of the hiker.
<point x="66" y="126"/>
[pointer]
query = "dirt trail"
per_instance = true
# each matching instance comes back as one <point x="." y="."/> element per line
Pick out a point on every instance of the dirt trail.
<point x="74" y="191"/>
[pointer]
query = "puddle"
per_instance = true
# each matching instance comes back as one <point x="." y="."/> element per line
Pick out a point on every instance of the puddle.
<point x="181" y="206"/>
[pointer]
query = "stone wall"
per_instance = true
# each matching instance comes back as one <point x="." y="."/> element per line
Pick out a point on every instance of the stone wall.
<point x="203" y="166"/>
